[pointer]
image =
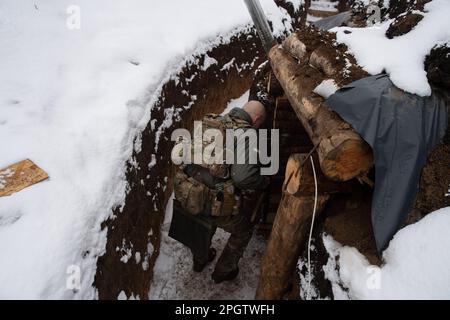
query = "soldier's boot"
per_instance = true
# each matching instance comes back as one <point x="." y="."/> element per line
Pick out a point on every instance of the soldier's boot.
<point x="227" y="266"/>
<point x="200" y="264"/>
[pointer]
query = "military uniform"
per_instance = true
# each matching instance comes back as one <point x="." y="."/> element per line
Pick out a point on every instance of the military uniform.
<point x="247" y="179"/>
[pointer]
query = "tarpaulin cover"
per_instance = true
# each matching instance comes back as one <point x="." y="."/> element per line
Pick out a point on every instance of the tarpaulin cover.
<point x="402" y="129"/>
<point x="334" y="21"/>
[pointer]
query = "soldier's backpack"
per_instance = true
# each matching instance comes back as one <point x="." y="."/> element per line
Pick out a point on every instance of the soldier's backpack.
<point x="193" y="195"/>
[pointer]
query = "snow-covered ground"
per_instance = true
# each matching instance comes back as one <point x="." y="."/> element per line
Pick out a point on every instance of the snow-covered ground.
<point x="416" y="264"/>
<point x="174" y="278"/>
<point x="77" y="83"/>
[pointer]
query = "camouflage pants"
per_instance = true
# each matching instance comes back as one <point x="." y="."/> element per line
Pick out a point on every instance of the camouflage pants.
<point x="241" y="229"/>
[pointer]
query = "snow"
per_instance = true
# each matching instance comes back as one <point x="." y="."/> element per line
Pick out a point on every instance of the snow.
<point x="416" y="264"/>
<point x="74" y="93"/>
<point x="173" y="275"/>
<point x="326" y="88"/>
<point x="402" y="57"/>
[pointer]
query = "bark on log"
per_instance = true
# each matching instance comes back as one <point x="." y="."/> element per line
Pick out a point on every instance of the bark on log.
<point x="287" y="240"/>
<point x="343" y="154"/>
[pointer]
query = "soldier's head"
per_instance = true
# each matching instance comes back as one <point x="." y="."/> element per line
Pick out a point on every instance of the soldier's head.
<point x="256" y="111"/>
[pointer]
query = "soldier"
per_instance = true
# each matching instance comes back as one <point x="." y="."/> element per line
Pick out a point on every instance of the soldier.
<point x="229" y="200"/>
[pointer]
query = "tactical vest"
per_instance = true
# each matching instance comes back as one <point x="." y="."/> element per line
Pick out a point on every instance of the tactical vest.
<point x="194" y="196"/>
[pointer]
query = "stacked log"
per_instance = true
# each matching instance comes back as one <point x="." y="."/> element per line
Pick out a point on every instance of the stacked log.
<point x="343" y="154"/>
<point x="308" y="130"/>
<point x="288" y="236"/>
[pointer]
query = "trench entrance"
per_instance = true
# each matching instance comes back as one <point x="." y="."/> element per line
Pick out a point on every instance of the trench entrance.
<point x="134" y="232"/>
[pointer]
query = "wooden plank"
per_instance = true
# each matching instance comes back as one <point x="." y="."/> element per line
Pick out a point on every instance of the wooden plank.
<point x="19" y="176"/>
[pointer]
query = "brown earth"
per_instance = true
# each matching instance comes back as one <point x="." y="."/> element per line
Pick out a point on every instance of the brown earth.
<point x="347" y="217"/>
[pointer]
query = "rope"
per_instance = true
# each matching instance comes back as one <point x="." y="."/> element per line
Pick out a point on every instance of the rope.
<point x="308" y="292"/>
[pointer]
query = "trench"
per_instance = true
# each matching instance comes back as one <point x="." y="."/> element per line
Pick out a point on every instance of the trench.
<point x="134" y="230"/>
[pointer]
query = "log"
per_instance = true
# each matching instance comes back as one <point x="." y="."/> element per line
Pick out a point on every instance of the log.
<point x="295" y="47"/>
<point x="300" y="183"/>
<point x="343" y="154"/>
<point x="287" y="240"/>
<point x="298" y="139"/>
<point x="19" y="176"/>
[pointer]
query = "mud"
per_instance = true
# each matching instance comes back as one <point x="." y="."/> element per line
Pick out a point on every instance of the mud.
<point x="403" y="25"/>
<point x="435" y="181"/>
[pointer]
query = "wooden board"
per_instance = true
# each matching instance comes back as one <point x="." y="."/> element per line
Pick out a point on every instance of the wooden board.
<point x="19" y="176"/>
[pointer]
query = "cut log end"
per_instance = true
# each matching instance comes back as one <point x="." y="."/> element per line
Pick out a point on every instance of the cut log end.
<point x="293" y="173"/>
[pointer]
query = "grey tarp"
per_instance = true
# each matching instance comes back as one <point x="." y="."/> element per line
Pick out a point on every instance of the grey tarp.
<point x="334" y="21"/>
<point x="402" y="129"/>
